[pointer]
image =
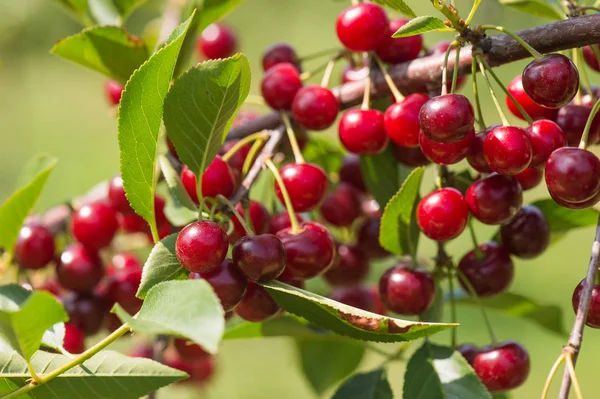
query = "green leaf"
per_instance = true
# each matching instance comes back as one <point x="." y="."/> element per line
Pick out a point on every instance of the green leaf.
<point x="176" y="189"/>
<point x="398" y="5"/>
<point x="287" y="325"/>
<point x="347" y="320"/>
<point x="420" y="25"/>
<point x="539" y="8"/>
<point x="77" y="8"/>
<point x="325" y="363"/>
<point x="25" y="316"/>
<point x="382" y="175"/>
<point x="188" y="309"/>
<point x="34" y="165"/>
<point x="562" y="220"/>
<point x="54" y="337"/>
<point x="126" y="7"/>
<point x="437" y="372"/>
<point x="16" y="208"/>
<point x="435" y="313"/>
<point x="399" y="233"/>
<point x="107" y="374"/>
<point x="324" y="152"/>
<point x="201" y="105"/>
<point x="140" y="116"/>
<point x="372" y="385"/>
<point x="109" y="50"/>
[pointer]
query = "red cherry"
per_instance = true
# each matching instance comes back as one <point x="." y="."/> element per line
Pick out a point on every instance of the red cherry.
<point x="228" y="282"/>
<point x="315" y="107"/>
<point x="502" y="367"/>
<point x="572" y="120"/>
<point x="279" y="53"/>
<point x="489" y="275"/>
<point x="122" y="262"/>
<point x="257" y="304"/>
<point x="362" y="131"/>
<point x="94" y="224"/>
<point x="350" y="266"/>
<point x="259" y="220"/>
<point x="358" y="297"/>
<point x="79" y="269"/>
<point x="593" y="317"/>
<point x="475" y="154"/>
<point x="443" y="214"/>
<point x="401" y="120"/>
<point x="362" y="27"/>
<point x="86" y="312"/>
<point x="552" y="81"/>
<point x="281" y="221"/>
<point x="201" y="246"/>
<point x="113" y="91"/>
<point x="136" y="224"/>
<point x="468" y="351"/>
<point x="495" y="199"/>
<point x="34" y="247"/>
<point x="447" y="118"/>
<point x="410" y="156"/>
<point x="216" y="180"/>
<point x="117" y="198"/>
<point x="545" y="136"/>
<point x="351" y="173"/>
<point x="395" y="51"/>
<point x="534" y="110"/>
<point x="446" y="154"/>
<point x="530" y="178"/>
<point x="201" y="371"/>
<point x="260" y="257"/>
<point x="306" y="185"/>
<point x="74" y="341"/>
<point x="122" y="289"/>
<point x="527" y="235"/>
<point x="590" y="57"/>
<point x="280" y="85"/>
<point x="406" y="291"/>
<point x="189" y="351"/>
<point x="237" y="160"/>
<point x="217" y="41"/>
<point x="354" y="74"/>
<point x="573" y="175"/>
<point x="368" y="238"/>
<point x="507" y="150"/>
<point x="342" y="206"/>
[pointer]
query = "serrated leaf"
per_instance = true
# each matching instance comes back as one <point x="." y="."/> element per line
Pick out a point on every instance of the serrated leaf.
<point x="54" y="337"/>
<point x="25" y="316"/>
<point x="201" y="105"/>
<point x="399" y="232"/>
<point x="347" y="320"/>
<point x="107" y="374"/>
<point x="562" y="220"/>
<point x="435" y="313"/>
<point x="162" y="265"/>
<point x="398" y="5"/>
<point x="109" y="50"/>
<point x="323" y="152"/>
<point x="539" y="8"/>
<point x="16" y="208"/>
<point x="140" y="116"/>
<point x="188" y="309"/>
<point x="420" y="25"/>
<point x="176" y="189"/>
<point x="381" y="174"/>
<point x="372" y="385"/>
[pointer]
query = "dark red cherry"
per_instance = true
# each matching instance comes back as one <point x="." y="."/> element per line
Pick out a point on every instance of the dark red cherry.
<point x="358" y="297"/>
<point x="590" y="57"/>
<point x="593" y="317"/>
<point x="572" y="119"/>
<point x="447" y="118"/>
<point x="201" y="246"/>
<point x="502" y="367"/>
<point x="495" y="199"/>
<point x="260" y="257"/>
<point x="341" y="207"/>
<point x="79" y="269"/>
<point x="202" y="370"/>
<point x="309" y="252"/>
<point x="530" y="178"/>
<point x="443" y="214"/>
<point x="259" y="220"/>
<point x="406" y="291"/>
<point x="552" y="81"/>
<point x="351" y="173"/>
<point x="280" y="85"/>
<point x="573" y="175"/>
<point x="74" y="341"/>
<point x="218" y="179"/>
<point x="362" y="27"/>
<point x="257" y="304"/>
<point x="446" y="154"/>
<point x="117" y="198"/>
<point x="34" y="247"/>
<point x="368" y="238"/>
<point x="402" y="49"/>
<point x="350" y="266"/>
<point x="315" y="107"/>
<point x="362" y="131"/>
<point x="354" y="74"/>
<point x="401" y="120"/>
<point x="237" y="160"/>
<point x="306" y="185"/>
<point x="87" y="311"/>
<point x="475" y="154"/>
<point x="217" y="41"/>
<point x="279" y="53"/>
<point x="410" y="156"/>
<point x="507" y="150"/>
<point x="281" y="221"/>
<point x="189" y="351"/>
<point x="545" y="136"/>
<point x="122" y="288"/>
<point x="527" y="235"/>
<point x="489" y="275"/>
<point x="228" y="282"/>
<point x="468" y="351"/>
<point x="113" y="91"/>
<point x="95" y="224"/>
<point x="534" y="110"/>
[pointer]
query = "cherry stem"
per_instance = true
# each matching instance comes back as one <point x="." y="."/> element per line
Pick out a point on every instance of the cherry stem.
<point x="286" y="197"/>
<point x="555" y="367"/>
<point x="256" y="146"/>
<point x="292" y="138"/>
<point x="575" y="56"/>
<point x="534" y="53"/>
<point x="455" y="71"/>
<point x="367" y="94"/>
<point x="480" y="120"/>
<point x="246" y="226"/>
<point x="584" y="75"/>
<point x="388" y="79"/>
<point x="588" y="126"/>
<point x="571" y="369"/>
<point x="588" y="8"/>
<point x="328" y="71"/>
<point x="477" y="299"/>
<point x="242" y="142"/>
<point x="319" y="54"/>
<point x="493" y="93"/>
<point x="478" y="252"/>
<point x="445" y="68"/>
<point x="476" y="4"/>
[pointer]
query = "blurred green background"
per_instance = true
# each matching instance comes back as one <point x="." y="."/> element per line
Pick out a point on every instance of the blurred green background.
<point x="49" y="105"/>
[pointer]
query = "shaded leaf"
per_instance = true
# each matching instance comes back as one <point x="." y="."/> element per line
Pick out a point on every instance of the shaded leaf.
<point x="372" y="385"/>
<point x="162" y="265"/>
<point x="324" y="152"/>
<point x="539" y="8"/>
<point x="398" y="5"/>
<point x="420" y="25"/>
<point x="381" y="173"/>
<point x="562" y="220"/>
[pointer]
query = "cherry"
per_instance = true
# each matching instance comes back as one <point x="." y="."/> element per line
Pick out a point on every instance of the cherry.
<point x="309" y="252"/>
<point x="218" y="179"/>
<point x="342" y="206"/>
<point x="259" y="220"/>
<point x="440" y="48"/>
<point x="362" y="27"/>
<point x="261" y="257"/>
<point x="282" y="221"/>
<point x="117" y="198"/>
<point x="572" y="119"/>
<point x="489" y="275"/>
<point x="79" y="269"/>
<point x="95" y="224"/>
<point x="122" y="288"/>
<point x="410" y="156"/>
<point x="475" y="155"/>
<point x="446" y="154"/>
<point x="401" y="120"/>
<point x="527" y="235"/>
<point x="142" y="350"/>
<point x="371" y="208"/>
<point x="279" y="53"/>
<point x="362" y="131"/>
<point x="86" y="312"/>
<point x="545" y="136"/>
<point x="306" y="185"/>
<point x="406" y="291"/>
<point x="351" y="173"/>
<point x="189" y="351"/>
<point x="573" y="175"/>
<point x="34" y="247"/>
<point x="113" y="91"/>
<point x="502" y="367"/>
<point x="354" y="74"/>
<point x="122" y="262"/>
<point x="236" y="162"/>
<point x="280" y="84"/>
<point x="201" y="371"/>
<point x="507" y="149"/>
<point x="358" y="297"/>
<point x="350" y="266"/>
<point x="51" y="286"/>
<point x="552" y="81"/>
<point x="530" y="178"/>
<point x="201" y="246"/>
<point x="397" y="50"/>
<point x="495" y="199"/>
<point x="368" y="238"/>
<point x="590" y="57"/>
<point x="447" y="118"/>
<point x="593" y="317"/>
<point x="315" y="107"/>
<point x="443" y="214"/>
<point x="534" y="110"/>
<point x="257" y="304"/>
<point x="136" y="224"/>
<point x="74" y="341"/>
<point x="468" y="351"/>
<point x="216" y="41"/>
<point x="228" y="282"/>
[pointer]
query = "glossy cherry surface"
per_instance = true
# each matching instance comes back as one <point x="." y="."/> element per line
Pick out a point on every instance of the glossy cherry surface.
<point x="502" y="367"/>
<point x="406" y="291"/>
<point x="228" y="282"/>
<point x="443" y="214"/>
<point x="495" y="199"/>
<point x="545" y="136"/>
<point x="201" y="246"/>
<point x="279" y="53"/>
<point x="527" y="235"/>
<point x="94" y="224"/>
<point x="116" y="196"/>
<point x="552" y="81"/>
<point x="507" y="149"/>
<point x="315" y="107"/>
<point x="218" y="179"/>
<point x="74" y="341"/>
<point x="351" y="173"/>
<point x="257" y="304"/>
<point x="280" y="85"/>
<point x="489" y="275"/>
<point x="530" y="178"/>
<point x="362" y="131"/>
<point x="572" y="119"/>
<point x="217" y="41"/>
<point x="447" y="118"/>
<point x="446" y="154"/>
<point x="113" y="91"/>
<point x="87" y="311"/>
<point x="573" y="175"/>
<point x="593" y="317"/>
<point x="401" y="120"/>
<point x="79" y="269"/>
<point x="350" y="266"/>
<point x="396" y="50"/>
<point x="34" y="247"/>
<point x="362" y="27"/>
<point x="260" y="257"/>
<point x="468" y="351"/>
<point x="534" y="110"/>
<point x="306" y="185"/>
<point x="410" y="156"/>
<point x="342" y="206"/>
